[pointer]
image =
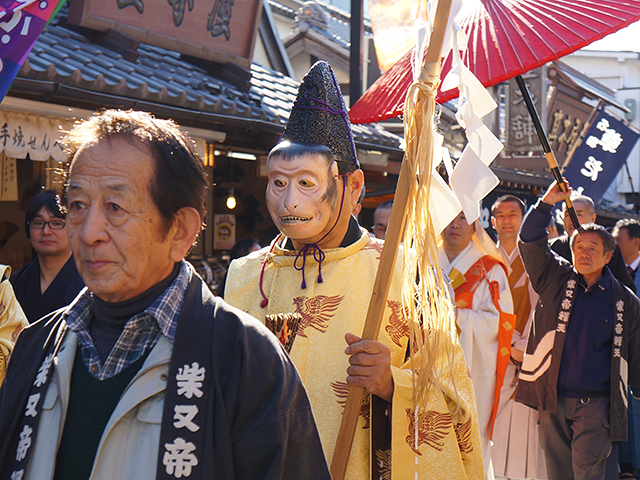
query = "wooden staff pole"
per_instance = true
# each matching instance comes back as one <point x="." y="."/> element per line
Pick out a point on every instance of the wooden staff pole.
<point x="406" y="184"/>
<point x="546" y="146"/>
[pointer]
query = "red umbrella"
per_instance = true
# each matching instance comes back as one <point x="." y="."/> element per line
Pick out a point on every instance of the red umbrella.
<point x="506" y="38"/>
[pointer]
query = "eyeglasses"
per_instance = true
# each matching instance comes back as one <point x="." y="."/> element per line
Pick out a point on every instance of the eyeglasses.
<point x="53" y="224"/>
<point x="379" y="228"/>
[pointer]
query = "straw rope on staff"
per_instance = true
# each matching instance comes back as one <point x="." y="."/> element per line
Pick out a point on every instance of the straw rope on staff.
<point x="425" y="298"/>
<point x="431" y="301"/>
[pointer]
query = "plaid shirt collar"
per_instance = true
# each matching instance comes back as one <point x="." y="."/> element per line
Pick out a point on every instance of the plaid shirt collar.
<point x="140" y="333"/>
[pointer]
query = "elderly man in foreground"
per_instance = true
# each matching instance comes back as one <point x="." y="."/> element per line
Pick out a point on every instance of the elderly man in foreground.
<point x="147" y="375"/>
<point x="583" y="347"/>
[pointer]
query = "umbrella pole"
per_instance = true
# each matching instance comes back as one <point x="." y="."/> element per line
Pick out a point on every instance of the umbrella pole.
<point x="406" y="185"/>
<point x="551" y="158"/>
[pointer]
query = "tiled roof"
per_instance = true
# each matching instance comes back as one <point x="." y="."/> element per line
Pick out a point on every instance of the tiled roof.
<point x="64" y="56"/>
<point x="335" y="25"/>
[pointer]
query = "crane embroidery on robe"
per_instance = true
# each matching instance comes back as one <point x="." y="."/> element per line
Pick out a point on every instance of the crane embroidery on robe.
<point x="341" y="389"/>
<point x="383" y="458"/>
<point x="316" y="311"/>
<point x="463" y="434"/>
<point x="398" y="326"/>
<point x="432" y="428"/>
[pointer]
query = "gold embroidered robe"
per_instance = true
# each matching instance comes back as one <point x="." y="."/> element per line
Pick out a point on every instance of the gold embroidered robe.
<point x="12" y="319"/>
<point x="448" y="440"/>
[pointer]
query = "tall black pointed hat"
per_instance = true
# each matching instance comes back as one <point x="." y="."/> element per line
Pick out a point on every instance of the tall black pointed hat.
<point x="318" y="115"/>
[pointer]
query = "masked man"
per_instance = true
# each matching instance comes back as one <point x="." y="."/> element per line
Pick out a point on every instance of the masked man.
<point x="516" y="452"/>
<point x="322" y="267"/>
<point x="483" y="313"/>
<point x="146" y="375"/>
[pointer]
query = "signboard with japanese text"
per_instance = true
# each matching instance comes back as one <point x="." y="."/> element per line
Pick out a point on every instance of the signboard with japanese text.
<point x="604" y="149"/>
<point x="567" y="117"/>
<point x="9" y="179"/>
<point x="36" y="135"/>
<point x="221" y="31"/>
<point x="520" y="133"/>
<point x="224" y="232"/>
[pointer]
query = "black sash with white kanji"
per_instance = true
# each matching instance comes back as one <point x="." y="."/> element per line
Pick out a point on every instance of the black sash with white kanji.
<point x="30" y="417"/>
<point x="189" y="396"/>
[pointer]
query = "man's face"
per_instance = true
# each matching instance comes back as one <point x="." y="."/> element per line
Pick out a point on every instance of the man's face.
<point x="115" y="229"/>
<point x="300" y="199"/>
<point x="584" y="216"/>
<point x="457" y="235"/>
<point x="49" y="242"/>
<point x="588" y="254"/>
<point x="507" y="218"/>
<point x="381" y="222"/>
<point x="630" y="247"/>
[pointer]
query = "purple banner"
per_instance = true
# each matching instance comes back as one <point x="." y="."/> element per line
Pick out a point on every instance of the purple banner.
<point x="21" y="22"/>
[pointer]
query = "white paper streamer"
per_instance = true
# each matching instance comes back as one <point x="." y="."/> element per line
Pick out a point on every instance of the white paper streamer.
<point x="471" y="179"/>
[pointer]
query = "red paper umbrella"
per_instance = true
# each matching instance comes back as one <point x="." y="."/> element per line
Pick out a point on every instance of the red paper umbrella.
<point x="506" y="38"/>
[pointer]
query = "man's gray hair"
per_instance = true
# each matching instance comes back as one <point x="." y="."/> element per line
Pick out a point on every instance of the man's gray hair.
<point x="607" y="239"/>
<point x="583" y="200"/>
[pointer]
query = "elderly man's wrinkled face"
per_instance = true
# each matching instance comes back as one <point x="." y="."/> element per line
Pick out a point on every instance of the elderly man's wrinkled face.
<point x="588" y="254"/>
<point x="584" y="213"/>
<point x="302" y="197"/>
<point x="115" y="229"/>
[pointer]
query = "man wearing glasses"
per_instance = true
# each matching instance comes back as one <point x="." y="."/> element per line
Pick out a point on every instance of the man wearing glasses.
<point x="381" y="219"/>
<point x="51" y="280"/>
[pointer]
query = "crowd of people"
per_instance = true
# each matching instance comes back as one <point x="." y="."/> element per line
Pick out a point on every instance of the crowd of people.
<point x="131" y="368"/>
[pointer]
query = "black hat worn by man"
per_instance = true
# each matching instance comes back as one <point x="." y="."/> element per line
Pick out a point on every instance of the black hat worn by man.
<point x="322" y="267"/>
<point x="147" y="375"/>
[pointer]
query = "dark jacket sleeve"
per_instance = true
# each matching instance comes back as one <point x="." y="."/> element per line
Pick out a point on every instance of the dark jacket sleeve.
<point x="541" y="263"/>
<point x="619" y="270"/>
<point x="273" y="434"/>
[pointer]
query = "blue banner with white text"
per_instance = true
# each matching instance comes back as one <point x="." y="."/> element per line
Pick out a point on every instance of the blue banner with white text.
<point x="604" y="149"/>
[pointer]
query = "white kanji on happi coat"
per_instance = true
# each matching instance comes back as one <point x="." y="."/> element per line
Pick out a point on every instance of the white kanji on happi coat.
<point x="184" y="415"/>
<point x="24" y="443"/>
<point x="190" y="380"/>
<point x="32" y="403"/>
<point x="43" y="371"/>
<point x="179" y="457"/>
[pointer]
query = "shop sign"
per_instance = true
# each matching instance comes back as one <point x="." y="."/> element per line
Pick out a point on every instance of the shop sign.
<point x="224" y="232"/>
<point x="38" y="136"/>
<point x="520" y="133"/>
<point x="8" y="179"/>
<point x="567" y="118"/>
<point x="221" y="31"/>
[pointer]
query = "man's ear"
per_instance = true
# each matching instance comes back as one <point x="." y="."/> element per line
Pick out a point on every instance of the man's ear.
<point x="607" y="257"/>
<point x="493" y="222"/>
<point x="183" y="233"/>
<point x="355" y="184"/>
